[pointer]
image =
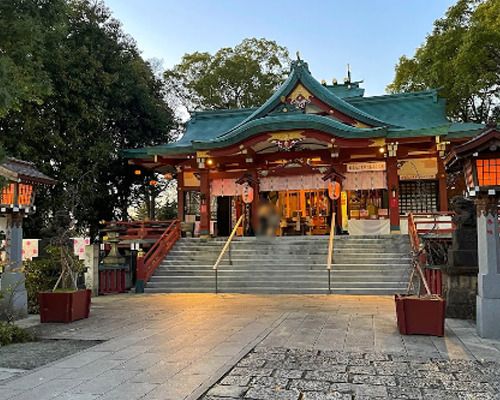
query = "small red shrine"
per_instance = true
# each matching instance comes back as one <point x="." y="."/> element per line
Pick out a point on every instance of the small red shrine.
<point x="387" y="149"/>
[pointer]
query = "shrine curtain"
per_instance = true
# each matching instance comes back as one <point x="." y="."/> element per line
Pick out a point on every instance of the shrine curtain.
<point x="365" y="180"/>
<point x="300" y="182"/>
<point x="225" y="187"/>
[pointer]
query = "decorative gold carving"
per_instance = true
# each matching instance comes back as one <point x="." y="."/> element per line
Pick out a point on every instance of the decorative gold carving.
<point x="202" y="154"/>
<point x="377" y="142"/>
<point x="300" y="96"/>
<point x="286" y="140"/>
<point x="286" y="135"/>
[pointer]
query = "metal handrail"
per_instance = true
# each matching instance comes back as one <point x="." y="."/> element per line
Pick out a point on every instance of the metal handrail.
<point x="223" y="251"/>
<point x="329" y="260"/>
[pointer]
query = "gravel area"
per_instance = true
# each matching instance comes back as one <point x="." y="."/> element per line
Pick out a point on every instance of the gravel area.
<point x="300" y="374"/>
<point x="35" y="354"/>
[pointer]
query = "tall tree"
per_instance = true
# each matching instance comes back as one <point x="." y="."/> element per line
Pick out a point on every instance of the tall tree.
<point x="104" y="98"/>
<point x="243" y="76"/>
<point x="29" y="30"/>
<point x="462" y="58"/>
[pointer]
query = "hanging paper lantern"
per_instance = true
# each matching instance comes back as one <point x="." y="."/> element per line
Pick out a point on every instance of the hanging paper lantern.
<point x="247" y="194"/>
<point x="334" y="190"/>
<point x="137" y="172"/>
<point x="153" y="182"/>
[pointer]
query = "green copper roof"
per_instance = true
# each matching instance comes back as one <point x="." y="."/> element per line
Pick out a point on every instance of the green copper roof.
<point x="392" y="116"/>
<point x="300" y="73"/>
<point x="291" y="121"/>
<point x="346" y="90"/>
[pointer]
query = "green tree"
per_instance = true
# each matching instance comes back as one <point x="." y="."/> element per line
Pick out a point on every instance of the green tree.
<point x="462" y="58"/>
<point x="151" y="196"/>
<point x="243" y="76"/>
<point x="29" y="31"/>
<point x="104" y="98"/>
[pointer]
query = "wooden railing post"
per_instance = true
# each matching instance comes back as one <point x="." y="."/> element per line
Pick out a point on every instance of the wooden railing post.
<point x="329" y="260"/>
<point x="140" y="281"/>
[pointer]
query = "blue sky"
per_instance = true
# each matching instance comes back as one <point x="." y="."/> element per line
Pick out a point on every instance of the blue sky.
<point x="369" y="34"/>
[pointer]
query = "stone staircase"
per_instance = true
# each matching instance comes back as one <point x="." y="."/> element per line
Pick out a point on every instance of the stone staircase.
<point x="293" y="264"/>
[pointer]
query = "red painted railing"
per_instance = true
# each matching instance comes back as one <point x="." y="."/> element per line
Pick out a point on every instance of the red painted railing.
<point x="438" y="225"/>
<point x="139" y="230"/>
<point x="147" y="264"/>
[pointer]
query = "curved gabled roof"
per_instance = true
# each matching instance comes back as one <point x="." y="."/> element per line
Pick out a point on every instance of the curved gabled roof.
<point x="273" y="123"/>
<point x="300" y="74"/>
<point x="392" y="116"/>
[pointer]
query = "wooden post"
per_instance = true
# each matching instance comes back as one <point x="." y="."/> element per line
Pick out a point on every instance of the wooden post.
<point x="393" y="188"/>
<point x="205" y="203"/>
<point x="180" y="196"/>
<point x="443" y="190"/>
<point x="255" y="202"/>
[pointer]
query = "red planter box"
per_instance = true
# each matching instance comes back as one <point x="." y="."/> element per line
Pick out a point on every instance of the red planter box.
<point x="420" y="315"/>
<point x="64" y="306"/>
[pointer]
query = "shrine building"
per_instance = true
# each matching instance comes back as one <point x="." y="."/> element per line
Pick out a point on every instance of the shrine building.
<point x="385" y="151"/>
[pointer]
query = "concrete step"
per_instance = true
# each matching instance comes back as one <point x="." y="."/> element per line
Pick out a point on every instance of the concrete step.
<point x="272" y="290"/>
<point x="362" y="265"/>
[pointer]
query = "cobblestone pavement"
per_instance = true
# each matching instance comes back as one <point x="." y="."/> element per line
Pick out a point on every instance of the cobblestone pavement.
<point x="175" y="347"/>
<point x="296" y="374"/>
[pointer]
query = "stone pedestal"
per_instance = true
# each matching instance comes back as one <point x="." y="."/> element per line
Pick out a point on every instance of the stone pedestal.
<point x="92" y="264"/>
<point x="15" y="297"/>
<point x="488" y="298"/>
<point x="460" y="275"/>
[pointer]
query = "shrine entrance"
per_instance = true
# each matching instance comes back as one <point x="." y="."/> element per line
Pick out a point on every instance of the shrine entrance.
<point x="301" y="212"/>
<point x="224" y="215"/>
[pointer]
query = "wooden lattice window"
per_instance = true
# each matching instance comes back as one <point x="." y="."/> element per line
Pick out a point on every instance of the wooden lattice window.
<point x="418" y="196"/>
<point x="488" y="172"/>
<point x="192" y="201"/>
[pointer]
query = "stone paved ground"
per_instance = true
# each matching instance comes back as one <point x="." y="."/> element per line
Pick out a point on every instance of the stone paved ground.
<point x="174" y="347"/>
<point x="35" y="354"/>
<point x="298" y="374"/>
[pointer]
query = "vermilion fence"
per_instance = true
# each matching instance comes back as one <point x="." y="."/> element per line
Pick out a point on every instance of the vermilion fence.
<point x="147" y="264"/>
<point x="155" y="237"/>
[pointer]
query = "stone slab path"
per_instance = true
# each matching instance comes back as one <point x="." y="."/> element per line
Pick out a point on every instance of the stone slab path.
<point x="178" y="346"/>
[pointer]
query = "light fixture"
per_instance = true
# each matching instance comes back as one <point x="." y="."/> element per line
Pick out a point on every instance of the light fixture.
<point x="381" y="150"/>
<point x="137" y="172"/>
<point x="392" y="149"/>
<point x="210" y="161"/>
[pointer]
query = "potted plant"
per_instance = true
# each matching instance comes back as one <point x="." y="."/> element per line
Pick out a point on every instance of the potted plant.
<point x="65" y="302"/>
<point x="420" y="314"/>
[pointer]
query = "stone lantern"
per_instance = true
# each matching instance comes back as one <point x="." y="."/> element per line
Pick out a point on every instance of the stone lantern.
<point x="479" y="159"/>
<point x="17" y="196"/>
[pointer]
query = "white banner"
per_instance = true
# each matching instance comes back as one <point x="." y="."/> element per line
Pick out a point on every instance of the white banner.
<point x="365" y="180"/>
<point x="366" y="166"/>
<point x="298" y="182"/>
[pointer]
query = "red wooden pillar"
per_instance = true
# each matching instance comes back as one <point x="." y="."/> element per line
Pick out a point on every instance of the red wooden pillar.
<point x="342" y="169"/>
<point x="443" y="190"/>
<point x="205" y="203"/>
<point x="393" y="187"/>
<point x="180" y="196"/>
<point x="256" y="200"/>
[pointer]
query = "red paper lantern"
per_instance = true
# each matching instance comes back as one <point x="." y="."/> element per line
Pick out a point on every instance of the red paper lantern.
<point x="334" y="190"/>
